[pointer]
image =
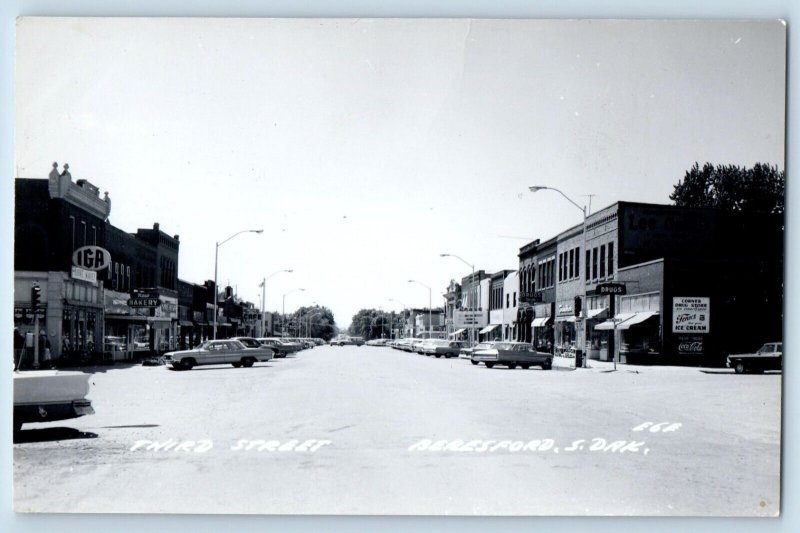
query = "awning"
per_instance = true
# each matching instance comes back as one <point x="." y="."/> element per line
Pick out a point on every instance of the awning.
<point x="541" y="321"/>
<point x="609" y="324"/>
<point x="489" y="328"/>
<point x="128" y="318"/>
<point x="570" y="318"/>
<point x="458" y="332"/>
<point x="597" y="313"/>
<point x="186" y="324"/>
<point x="638" y="318"/>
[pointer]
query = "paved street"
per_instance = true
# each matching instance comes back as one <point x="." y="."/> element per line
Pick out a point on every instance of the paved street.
<point x="364" y="420"/>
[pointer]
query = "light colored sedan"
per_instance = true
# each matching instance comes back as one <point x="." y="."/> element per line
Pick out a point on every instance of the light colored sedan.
<point x="512" y="354"/>
<point x="219" y="352"/>
<point x="441" y="347"/>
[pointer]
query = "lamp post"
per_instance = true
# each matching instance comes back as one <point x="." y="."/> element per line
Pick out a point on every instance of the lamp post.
<point x="264" y="298"/>
<point x="579" y="355"/>
<point x="283" y="310"/>
<point x="308" y="321"/>
<point x="430" y="320"/>
<point x="404" y="308"/>
<point x="216" y="266"/>
<point x="472" y="266"/>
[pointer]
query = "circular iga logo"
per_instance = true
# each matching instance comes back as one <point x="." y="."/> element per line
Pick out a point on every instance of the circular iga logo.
<point x="91" y="258"/>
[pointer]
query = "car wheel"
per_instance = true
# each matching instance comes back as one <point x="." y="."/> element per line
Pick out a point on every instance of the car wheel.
<point x="512" y="366"/>
<point x="489" y="365"/>
<point x="237" y="364"/>
<point x="248" y="362"/>
<point x="438" y="355"/>
<point x="188" y="364"/>
<point x="474" y="362"/>
<point x="177" y="366"/>
<point x="739" y="368"/>
<point x="547" y="364"/>
<point x="525" y="367"/>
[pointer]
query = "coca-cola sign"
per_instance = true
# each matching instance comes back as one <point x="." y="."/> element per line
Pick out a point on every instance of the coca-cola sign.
<point x="690" y="345"/>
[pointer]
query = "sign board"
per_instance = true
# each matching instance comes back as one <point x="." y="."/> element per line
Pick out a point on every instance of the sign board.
<point x="145" y="293"/>
<point x="611" y="288"/>
<point x="470" y="319"/>
<point x="530" y="296"/>
<point x="690" y="314"/>
<point x="91" y="258"/>
<point x="84" y="275"/>
<point x="690" y="344"/>
<point x="144" y="302"/>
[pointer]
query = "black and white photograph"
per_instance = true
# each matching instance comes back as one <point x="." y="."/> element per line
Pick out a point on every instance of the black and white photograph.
<point x="399" y="266"/>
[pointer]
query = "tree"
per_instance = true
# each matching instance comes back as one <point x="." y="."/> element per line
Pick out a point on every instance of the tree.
<point x="371" y="324"/>
<point x="317" y="320"/>
<point x="731" y="187"/>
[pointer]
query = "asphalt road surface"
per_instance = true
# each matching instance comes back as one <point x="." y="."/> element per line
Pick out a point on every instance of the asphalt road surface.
<point x="371" y="430"/>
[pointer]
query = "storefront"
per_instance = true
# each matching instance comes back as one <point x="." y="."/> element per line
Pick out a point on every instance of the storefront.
<point x="598" y="340"/>
<point x="565" y="328"/>
<point x="542" y="327"/>
<point x="637" y="328"/>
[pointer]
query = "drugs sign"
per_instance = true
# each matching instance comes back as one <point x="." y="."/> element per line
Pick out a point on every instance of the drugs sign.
<point x="91" y="258"/>
<point x="690" y="314"/>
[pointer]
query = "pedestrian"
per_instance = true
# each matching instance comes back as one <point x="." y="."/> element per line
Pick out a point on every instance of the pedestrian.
<point x="44" y="349"/>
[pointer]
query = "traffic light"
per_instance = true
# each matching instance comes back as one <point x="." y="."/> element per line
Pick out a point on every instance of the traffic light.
<point x="578" y="305"/>
<point x="36" y="297"/>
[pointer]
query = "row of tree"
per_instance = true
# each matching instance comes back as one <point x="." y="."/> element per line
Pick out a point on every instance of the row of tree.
<point x="312" y="321"/>
<point x="732" y="187"/>
<point x="376" y="323"/>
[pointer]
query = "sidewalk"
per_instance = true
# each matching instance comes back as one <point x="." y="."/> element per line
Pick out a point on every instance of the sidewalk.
<point x="568" y="363"/>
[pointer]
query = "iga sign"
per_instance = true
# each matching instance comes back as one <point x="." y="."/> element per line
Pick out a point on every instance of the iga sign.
<point x="690" y="314"/>
<point x="91" y="258"/>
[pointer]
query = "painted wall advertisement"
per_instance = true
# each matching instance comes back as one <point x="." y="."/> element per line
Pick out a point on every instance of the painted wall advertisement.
<point x="690" y="314"/>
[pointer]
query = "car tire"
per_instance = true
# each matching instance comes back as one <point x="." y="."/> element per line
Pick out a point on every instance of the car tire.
<point x="438" y="355"/>
<point x="739" y="367"/>
<point x="489" y="365"/>
<point x="474" y="362"/>
<point x="187" y="364"/>
<point x="525" y="367"/>
<point x="548" y="365"/>
<point x="177" y="366"/>
<point x="248" y="362"/>
<point x="512" y="366"/>
<point x="237" y="364"/>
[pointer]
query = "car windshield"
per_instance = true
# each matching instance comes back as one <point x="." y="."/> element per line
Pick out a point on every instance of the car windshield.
<point x="512" y="346"/>
<point x="484" y="346"/>
<point x="250" y="343"/>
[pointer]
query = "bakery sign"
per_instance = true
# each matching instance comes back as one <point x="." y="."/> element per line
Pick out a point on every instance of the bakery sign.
<point x="690" y="314"/>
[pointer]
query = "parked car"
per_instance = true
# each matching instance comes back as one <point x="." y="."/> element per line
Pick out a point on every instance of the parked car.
<point x="250" y="342"/>
<point x="376" y="342"/>
<point x="768" y="357"/>
<point x="467" y="351"/>
<point x="226" y="351"/>
<point x="512" y="354"/>
<point x="45" y="395"/>
<point x="281" y="347"/>
<point x="416" y="345"/>
<point x="441" y="347"/>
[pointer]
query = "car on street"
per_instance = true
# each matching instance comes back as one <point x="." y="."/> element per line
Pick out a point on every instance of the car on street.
<point x="45" y="395"/>
<point x="467" y="351"/>
<point x="512" y="354"/>
<point x="441" y="347"/>
<point x="768" y="357"/>
<point x="416" y="345"/>
<point x="348" y="341"/>
<point x="376" y="342"/>
<point x="218" y="352"/>
<point x="281" y="347"/>
<point x="250" y="342"/>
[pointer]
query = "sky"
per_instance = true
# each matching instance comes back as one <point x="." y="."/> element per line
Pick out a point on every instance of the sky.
<point x="366" y="148"/>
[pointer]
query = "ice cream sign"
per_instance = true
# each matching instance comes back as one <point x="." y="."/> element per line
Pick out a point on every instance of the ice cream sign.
<point x="690" y="314"/>
<point x="91" y="258"/>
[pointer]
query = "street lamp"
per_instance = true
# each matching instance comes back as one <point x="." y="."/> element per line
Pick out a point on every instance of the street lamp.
<point x="308" y="321"/>
<point x="264" y="298"/>
<point x="283" y="310"/>
<point x="216" y="265"/>
<point x="582" y="341"/>
<point x="472" y="266"/>
<point x="430" y="320"/>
